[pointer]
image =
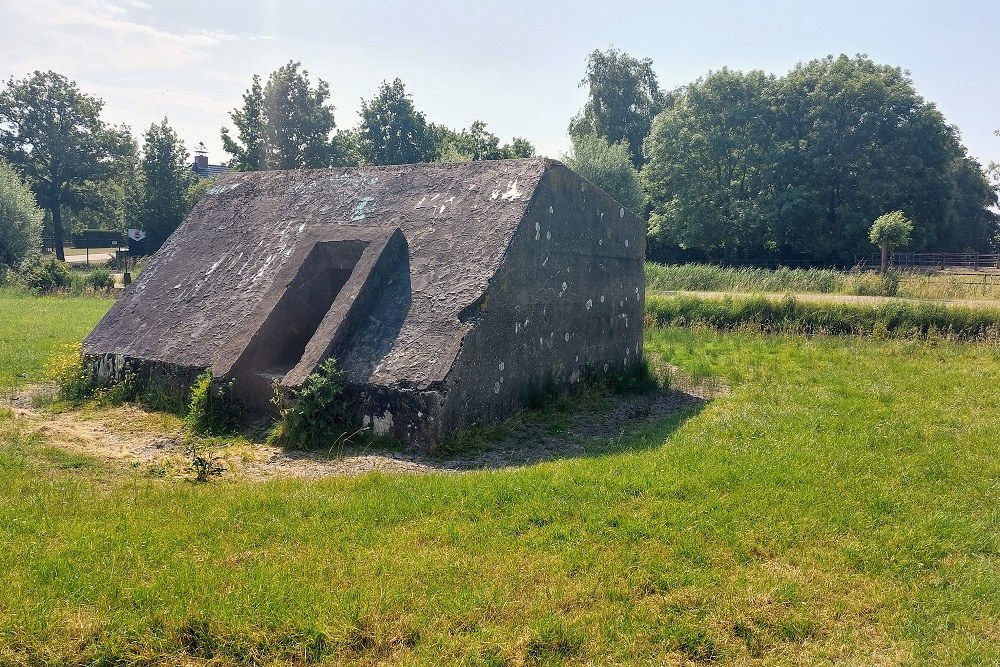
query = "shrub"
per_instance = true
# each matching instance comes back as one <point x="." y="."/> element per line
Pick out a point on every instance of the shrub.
<point x="20" y="219"/>
<point x="48" y="276"/>
<point x="214" y="408"/>
<point x="101" y="279"/>
<point x="317" y="414"/>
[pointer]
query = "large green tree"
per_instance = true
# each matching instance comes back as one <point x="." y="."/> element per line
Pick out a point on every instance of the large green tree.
<point x="392" y="130"/>
<point x="711" y="160"/>
<point x="623" y="98"/>
<point x="52" y="133"/>
<point x="749" y="166"/>
<point x="20" y="219"/>
<point x="167" y="179"/>
<point x="284" y="124"/>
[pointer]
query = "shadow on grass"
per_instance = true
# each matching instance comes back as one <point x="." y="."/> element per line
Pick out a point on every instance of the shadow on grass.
<point x="587" y="427"/>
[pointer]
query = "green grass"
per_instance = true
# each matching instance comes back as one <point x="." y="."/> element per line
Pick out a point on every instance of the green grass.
<point x="900" y="319"/>
<point x="33" y="328"/>
<point x="713" y="278"/>
<point x="839" y="505"/>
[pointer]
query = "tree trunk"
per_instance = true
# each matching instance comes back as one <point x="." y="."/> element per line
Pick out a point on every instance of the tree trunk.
<point x="57" y="228"/>
<point x="885" y="257"/>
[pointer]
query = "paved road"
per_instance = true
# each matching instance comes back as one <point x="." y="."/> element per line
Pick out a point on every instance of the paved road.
<point x="834" y="298"/>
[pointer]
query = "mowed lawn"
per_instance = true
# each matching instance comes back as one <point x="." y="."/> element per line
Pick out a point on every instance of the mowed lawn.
<point x="840" y="505"/>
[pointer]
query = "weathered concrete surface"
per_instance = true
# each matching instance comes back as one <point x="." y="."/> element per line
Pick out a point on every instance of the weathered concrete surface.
<point x="443" y="290"/>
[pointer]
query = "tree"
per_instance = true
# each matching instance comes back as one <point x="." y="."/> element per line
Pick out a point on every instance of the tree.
<point x="167" y="179"/>
<point x="623" y="99"/>
<point x="286" y="124"/>
<point x="857" y="140"/>
<point x="746" y="167"/>
<point x="53" y="135"/>
<point x="20" y="219"/>
<point x="711" y="162"/>
<point x="890" y="230"/>
<point x="609" y="167"/>
<point x="392" y="130"/>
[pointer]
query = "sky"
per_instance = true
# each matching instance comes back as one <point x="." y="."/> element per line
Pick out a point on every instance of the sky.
<point x="515" y="65"/>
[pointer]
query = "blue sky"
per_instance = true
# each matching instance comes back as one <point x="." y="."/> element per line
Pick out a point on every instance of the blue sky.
<point x="515" y="65"/>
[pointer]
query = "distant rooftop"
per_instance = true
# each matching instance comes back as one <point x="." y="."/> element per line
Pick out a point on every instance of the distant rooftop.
<point x="202" y="168"/>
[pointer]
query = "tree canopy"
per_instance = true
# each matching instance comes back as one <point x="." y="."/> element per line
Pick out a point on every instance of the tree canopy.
<point x="53" y="135"/>
<point x="392" y="130"/>
<point x="167" y="179"/>
<point x="623" y="98"/>
<point x="20" y="219"/>
<point x="607" y="166"/>
<point x="478" y="143"/>
<point x="746" y="166"/>
<point x="284" y="124"/>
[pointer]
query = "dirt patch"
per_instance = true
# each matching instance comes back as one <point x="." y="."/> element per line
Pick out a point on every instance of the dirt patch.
<point x="130" y="436"/>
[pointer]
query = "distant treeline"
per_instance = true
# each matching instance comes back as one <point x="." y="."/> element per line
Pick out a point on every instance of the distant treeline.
<point x="750" y="167"/>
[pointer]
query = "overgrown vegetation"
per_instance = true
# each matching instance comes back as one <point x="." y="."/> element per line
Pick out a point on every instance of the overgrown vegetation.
<point x="788" y="315"/>
<point x="214" y="409"/>
<point x="317" y="415"/>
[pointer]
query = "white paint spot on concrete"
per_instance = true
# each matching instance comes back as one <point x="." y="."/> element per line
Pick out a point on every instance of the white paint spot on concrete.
<point x="626" y="240"/>
<point x="567" y="336"/>
<point x="361" y="209"/>
<point x="590" y="304"/>
<point x="621" y="213"/>
<point x="550" y="210"/>
<point x="513" y="192"/>
<point x="382" y="425"/>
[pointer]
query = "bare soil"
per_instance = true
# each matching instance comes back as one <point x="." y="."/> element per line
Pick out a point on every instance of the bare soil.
<point x="130" y="437"/>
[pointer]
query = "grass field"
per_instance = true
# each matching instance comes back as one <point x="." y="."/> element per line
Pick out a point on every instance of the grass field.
<point x="839" y="505"/>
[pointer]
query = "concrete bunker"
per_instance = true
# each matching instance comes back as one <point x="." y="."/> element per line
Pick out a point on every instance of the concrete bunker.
<point x="444" y="291"/>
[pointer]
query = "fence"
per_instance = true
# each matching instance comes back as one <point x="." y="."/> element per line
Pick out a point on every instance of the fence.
<point x="946" y="260"/>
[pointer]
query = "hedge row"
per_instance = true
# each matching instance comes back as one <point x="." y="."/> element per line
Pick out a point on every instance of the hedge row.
<point x="896" y="319"/>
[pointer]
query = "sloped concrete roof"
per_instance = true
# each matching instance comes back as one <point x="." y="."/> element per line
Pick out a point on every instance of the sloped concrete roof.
<point x="200" y="298"/>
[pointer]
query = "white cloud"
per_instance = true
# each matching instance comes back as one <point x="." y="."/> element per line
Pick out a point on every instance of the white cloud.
<point x="96" y="36"/>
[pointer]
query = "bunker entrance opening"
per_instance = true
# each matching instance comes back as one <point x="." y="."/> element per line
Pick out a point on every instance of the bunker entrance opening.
<point x="291" y="324"/>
